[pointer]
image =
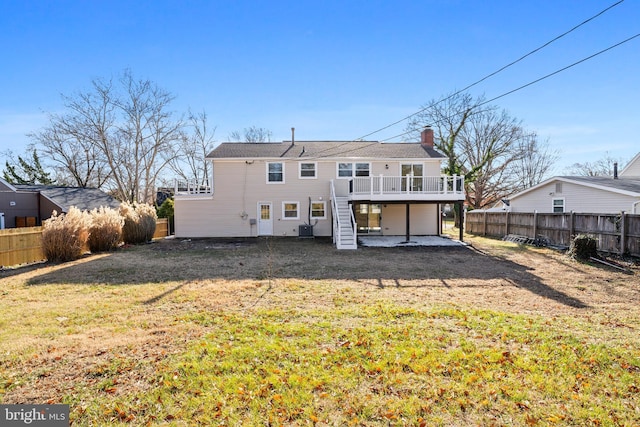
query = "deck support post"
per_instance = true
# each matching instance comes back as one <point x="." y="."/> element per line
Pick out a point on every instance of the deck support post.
<point x="408" y="224"/>
<point x="462" y="219"/>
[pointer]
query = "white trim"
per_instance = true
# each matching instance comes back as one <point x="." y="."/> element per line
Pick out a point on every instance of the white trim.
<point x="553" y="206"/>
<point x="628" y="165"/>
<point x="260" y="228"/>
<point x="353" y="164"/>
<point x="315" y="170"/>
<point x="286" y="218"/>
<point x="267" y="171"/>
<point x="324" y="209"/>
<point x="10" y="186"/>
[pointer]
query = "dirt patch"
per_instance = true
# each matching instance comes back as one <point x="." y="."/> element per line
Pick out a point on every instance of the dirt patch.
<point x="198" y="244"/>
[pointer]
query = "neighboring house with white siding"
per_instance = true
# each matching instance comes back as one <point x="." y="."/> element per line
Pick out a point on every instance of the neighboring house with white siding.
<point x="319" y="188"/>
<point x="584" y="194"/>
<point x="632" y="169"/>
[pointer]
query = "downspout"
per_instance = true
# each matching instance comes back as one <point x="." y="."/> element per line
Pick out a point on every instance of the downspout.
<point x="634" y="205"/>
<point x="39" y="219"/>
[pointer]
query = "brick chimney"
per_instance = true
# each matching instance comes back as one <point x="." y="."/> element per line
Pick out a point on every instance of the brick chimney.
<point x="426" y="137"/>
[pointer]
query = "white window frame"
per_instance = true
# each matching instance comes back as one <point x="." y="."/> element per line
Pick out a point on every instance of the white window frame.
<point x="268" y="173"/>
<point x="288" y="202"/>
<point x="324" y="209"/>
<point x="553" y="204"/>
<point x="353" y="169"/>
<point x="315" y="170"/>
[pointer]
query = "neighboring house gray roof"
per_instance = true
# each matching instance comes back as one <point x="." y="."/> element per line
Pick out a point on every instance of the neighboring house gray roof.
<point x="65" y="197"/>
<point x="628" y="186"/>
<point x="324" y="149"/>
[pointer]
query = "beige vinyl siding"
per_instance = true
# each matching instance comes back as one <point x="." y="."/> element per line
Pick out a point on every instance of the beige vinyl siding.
<point x="378" y="167"/>
<point x="423" y="219"/>
<point x="577" y="198"/>
<point x="240" y="184"/>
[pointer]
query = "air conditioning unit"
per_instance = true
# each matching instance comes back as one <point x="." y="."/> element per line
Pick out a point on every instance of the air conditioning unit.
<point x="305" y="231"/>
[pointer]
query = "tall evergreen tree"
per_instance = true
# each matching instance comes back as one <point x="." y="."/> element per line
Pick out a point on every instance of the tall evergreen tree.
<point x="25" y="172"/>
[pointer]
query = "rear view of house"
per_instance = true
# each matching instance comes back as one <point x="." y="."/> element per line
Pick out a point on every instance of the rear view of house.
<point x="319" y="188"/>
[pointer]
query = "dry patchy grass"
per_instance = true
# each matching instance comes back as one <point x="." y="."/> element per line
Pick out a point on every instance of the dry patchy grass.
<point x="120" y="337"/>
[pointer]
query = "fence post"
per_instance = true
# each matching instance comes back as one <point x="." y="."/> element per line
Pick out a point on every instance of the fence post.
<point x="506" y="223"/>
<point x="484" y="223"/>
<point x="623" y="233"/>
<point x="572" y="225"/>
<point x="535" y="224"/>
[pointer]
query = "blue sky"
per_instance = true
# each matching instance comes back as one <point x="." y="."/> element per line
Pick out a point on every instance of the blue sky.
<point x="333" y="69"/>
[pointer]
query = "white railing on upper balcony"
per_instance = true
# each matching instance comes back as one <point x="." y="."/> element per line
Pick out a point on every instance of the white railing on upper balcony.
<point x="428" y="185"/>
<point x="192" y="188"/>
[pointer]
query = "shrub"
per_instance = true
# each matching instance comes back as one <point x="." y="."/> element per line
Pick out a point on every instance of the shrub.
<point x="583" y="247"/>
<point x="166" y="209"/>
<point x="139" y="222"/>
<point x="64" y="236"/>
<point x="105" y="232"/>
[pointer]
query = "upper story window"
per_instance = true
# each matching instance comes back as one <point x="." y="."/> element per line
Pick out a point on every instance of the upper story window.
<point x="558" y="205"/>
<point x="349" y="170"/>
<point x="275" y="172"/>
<point x="308" y="170"/>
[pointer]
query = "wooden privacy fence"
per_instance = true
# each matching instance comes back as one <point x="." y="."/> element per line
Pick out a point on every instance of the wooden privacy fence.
<point x="24" y="245"/>
<point x="21" y="246"/>
<point x="616" y="233"/>
<point x="162" y="228"/>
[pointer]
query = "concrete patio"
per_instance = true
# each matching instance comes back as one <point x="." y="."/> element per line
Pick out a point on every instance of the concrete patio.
<point x="401" y="241"/>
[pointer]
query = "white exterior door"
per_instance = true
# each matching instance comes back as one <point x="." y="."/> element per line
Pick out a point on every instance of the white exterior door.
<point x="265" y="219"/>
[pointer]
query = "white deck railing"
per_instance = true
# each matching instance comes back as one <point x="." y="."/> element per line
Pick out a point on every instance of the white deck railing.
<point x="408" y="185"/>
<point x="192" y="188"/>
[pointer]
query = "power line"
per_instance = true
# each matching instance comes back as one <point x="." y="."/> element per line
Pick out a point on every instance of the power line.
<point x="535" y="81"/>
<point x="493" y="73"/>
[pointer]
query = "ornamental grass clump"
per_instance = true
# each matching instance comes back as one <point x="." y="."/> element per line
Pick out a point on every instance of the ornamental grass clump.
<point x="583" y="247"/>
<point x="105" y="232"/>
<point x="64" y="236"/>
<point x="139" y="222"/>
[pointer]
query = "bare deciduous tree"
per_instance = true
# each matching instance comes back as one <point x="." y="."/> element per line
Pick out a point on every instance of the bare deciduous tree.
<point x="481" y="143"/>
<point x="600" y="167"/>
<point x="117" y="136"/>
<point x="76" y="160"/>
<point x="251" y="134"/>
<point x="189" y="162"/>
<point x="534" y="166"/>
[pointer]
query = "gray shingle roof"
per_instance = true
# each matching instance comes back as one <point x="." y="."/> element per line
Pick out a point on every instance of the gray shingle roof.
<point x="65" y="197"/>
<point x="625" y="184"/>
<point x="324" y="149"/>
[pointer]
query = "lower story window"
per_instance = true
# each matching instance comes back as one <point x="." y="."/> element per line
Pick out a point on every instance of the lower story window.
<point x="290" y="210"/>
<point x="318" y="210"/>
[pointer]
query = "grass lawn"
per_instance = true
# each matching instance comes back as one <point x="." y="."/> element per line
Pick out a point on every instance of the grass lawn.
<point x="295" y="333"/>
